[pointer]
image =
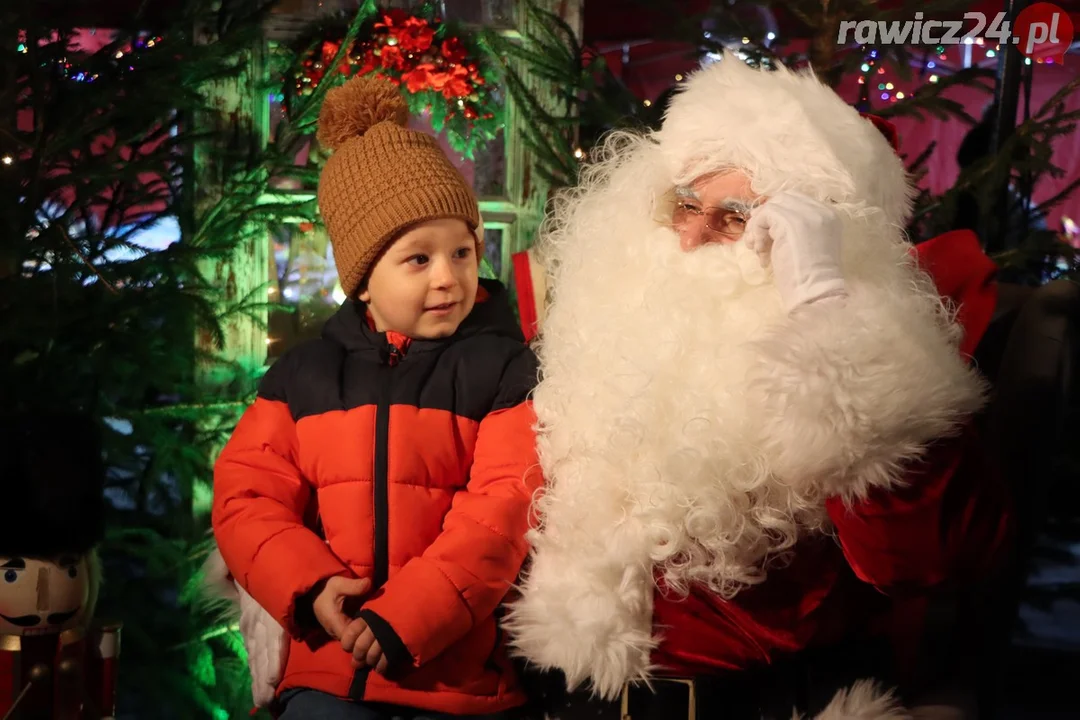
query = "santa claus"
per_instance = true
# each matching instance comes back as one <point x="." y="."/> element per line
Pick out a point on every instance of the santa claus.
<point x="754" y="411"/>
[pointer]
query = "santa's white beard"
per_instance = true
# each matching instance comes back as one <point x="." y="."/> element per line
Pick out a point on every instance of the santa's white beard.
<point x="691" y="428"/>
<point x="645" y="358"/>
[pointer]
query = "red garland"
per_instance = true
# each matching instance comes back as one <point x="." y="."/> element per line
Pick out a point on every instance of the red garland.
<point x="403" y="49"/>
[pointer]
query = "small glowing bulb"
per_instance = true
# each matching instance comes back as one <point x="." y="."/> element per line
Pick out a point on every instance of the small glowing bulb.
<point x="968" y="41"/>
<point x="933" y="78"/>
<point x="119" y="54"/>
<point x="579" y="153"/>
<point x="980" y="41"/>
<point x="678" y="78"/>
<point x="7" y="160"/>
<point x="990" y="53"/>
<point x="746" y="41"/>
<point x="899" y="96"/>
<point x="648" y="103"/>
<point x="771" y="36"/>
<point x="864" y="67"/>
<point x="1027" y="61"/>
<point x="888" y="86"/>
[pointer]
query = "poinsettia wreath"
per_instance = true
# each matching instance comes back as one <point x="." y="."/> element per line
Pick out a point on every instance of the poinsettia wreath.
<point x="441" y="73"/>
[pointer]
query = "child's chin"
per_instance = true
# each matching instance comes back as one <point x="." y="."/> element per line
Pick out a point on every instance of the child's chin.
<point x="438" y="330"/>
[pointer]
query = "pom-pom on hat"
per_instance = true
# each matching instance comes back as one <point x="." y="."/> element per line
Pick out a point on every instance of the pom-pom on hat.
<point x="382" y="177"/>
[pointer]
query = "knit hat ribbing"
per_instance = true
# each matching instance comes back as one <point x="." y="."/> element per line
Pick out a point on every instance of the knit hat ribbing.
<point x="382" y="177"/>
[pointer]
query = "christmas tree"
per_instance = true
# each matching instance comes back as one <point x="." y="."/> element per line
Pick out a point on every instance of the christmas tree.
<point x="113" y="216"/>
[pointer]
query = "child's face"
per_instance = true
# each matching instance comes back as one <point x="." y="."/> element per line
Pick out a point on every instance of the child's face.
<point x="424" y="284"/>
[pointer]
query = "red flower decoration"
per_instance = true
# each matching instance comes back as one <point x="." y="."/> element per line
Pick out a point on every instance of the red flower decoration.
<point x="329" y="50"/>
<point x="393" y="17"/>
<point x="367" y="62"/>
<point x="402" y="49"/>
<point x="457" y="84"/>
<point x="418" y="79"/>
<point x="391" y="58"/>
<point x="415" y="35"/>
<point x="453" y="50"/>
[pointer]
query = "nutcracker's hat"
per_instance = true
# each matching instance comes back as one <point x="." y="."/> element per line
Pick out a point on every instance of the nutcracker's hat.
<point x="52" y="479"/>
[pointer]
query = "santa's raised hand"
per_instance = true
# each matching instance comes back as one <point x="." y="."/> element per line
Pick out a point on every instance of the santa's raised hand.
<point x="799" y="238"/>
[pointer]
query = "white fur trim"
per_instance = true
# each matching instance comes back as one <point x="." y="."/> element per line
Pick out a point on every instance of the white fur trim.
<point x="267" y="646"/>
<point x="855" y="388"/>
<point x="586" y="615"/>
<point x="769" y="123"/>
<point x="266" y="642"/>
<point x="217" y="581"/>
<point x="863" y="701"/>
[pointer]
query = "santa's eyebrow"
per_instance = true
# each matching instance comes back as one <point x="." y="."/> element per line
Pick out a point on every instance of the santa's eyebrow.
<point x="736" y="205"/>
<point x="16" y="563"/>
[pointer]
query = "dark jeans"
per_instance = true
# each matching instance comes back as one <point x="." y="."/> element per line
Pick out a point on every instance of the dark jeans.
<point x="304" y="704"/>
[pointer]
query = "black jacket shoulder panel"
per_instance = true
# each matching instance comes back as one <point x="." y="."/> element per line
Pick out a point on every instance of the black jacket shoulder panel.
<point x="484" y="367"/>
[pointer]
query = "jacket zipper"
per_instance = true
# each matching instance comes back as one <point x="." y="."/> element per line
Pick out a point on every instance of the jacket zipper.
<point x="380" y="499"/>
<point x="381" y="488"/>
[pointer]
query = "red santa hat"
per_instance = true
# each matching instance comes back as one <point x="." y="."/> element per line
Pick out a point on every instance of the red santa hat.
<point x="887" y="129"/>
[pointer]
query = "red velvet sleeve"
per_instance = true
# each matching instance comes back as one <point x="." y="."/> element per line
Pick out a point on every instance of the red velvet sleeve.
<point x="950" y="518"/>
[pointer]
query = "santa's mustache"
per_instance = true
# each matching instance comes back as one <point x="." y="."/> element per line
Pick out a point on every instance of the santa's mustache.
<point x="32" y="620"/>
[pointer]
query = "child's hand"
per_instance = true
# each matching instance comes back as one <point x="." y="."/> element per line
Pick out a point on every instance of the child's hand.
<point x="329" y="603"/>
<point x="366" y="651"/>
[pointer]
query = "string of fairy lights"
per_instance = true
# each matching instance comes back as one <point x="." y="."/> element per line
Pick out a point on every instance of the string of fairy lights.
<point x="934" y="64"/>
<point x="121" y="57"/>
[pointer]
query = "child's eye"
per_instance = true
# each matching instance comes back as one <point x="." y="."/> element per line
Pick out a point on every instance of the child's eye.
<point x="463" y="252"/>
<point x="418" y="260"/>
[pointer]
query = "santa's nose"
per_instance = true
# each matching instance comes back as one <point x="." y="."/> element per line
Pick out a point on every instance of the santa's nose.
<point x="691" y="238"/>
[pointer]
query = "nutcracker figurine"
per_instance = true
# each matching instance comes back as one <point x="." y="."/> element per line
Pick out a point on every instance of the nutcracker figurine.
<point x="55" y="663"/>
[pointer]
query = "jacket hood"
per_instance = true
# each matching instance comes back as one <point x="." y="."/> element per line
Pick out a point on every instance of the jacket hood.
<point x="349" y="327"/>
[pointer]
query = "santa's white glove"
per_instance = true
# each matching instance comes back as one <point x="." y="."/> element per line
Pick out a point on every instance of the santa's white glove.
<point x="267" y="646"/>
<point x="799" y="238"/>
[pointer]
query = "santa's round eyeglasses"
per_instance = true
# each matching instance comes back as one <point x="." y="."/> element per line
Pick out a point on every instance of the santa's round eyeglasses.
<point x="724" y="220"/>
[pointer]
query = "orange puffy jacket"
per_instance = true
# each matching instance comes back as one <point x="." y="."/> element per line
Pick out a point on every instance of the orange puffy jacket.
<point x="421" y="466"/>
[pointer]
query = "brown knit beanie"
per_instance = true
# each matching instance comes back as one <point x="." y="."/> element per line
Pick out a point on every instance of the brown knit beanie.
<point x="382" y="177"/>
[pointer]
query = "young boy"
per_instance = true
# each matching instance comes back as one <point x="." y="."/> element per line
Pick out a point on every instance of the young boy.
<point x="374" y="499"/>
